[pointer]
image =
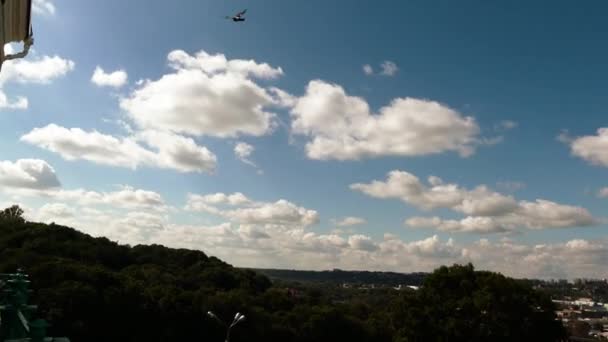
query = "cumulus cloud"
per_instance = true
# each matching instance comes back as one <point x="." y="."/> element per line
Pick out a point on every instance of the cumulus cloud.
<point x="207" y="95"/>
<point x="368" y="70"/>
<point x="279" y="213"/>
<point x="114" y="79"/>
<point x="487" y="211"/>
<point x="592" y="148"/>
<point x="343" y="127"/>
<point x="603" y="193"/>
<point x="169" y="151"/>
<point x="572" y="259"/>
<point x="389" y="68"/>
<point x="34" y="174"/>
<point x="276" y="246"/>
<point x="38" y="71"/>
<point x="350" y="221"/>
<point x="44" y="7"/>
<point x="34" y="178"/>
<point x="126" y="197"/>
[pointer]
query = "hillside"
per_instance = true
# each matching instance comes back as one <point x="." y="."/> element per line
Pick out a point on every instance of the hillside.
<point x="92" y="289"/>
<point x="339" y="277"/>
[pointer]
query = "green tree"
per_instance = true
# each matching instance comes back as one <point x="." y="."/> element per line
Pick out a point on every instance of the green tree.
<point x="13" y="214"/>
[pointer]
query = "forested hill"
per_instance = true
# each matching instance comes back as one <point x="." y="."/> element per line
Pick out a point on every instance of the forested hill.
<point x="340" y="277"/>
<point x="95" y="290"/>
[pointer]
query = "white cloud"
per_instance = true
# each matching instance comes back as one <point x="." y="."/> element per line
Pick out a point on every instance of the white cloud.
<point x="572" y="259"/>
<point x="279" y="213"/>
<point x="389" y="68"/>
<point x="114" y="79"/>
<point x="126" y="197"/>
<point x="592" y="148"/>
<point x="350" y="221"/>
<point x="362" y="242"/>
<point x="172" y="151"/>
<point x="243" y="151"/>
<point x="343" y="127"/>
<point x="75" y="143"/>
<point x="603" y="193"/>
<point x="405" y="186"/>
<point x="235" y="199"/>
<point x="44" y="7"/>
<point x="20" y="103"/>
<point x="268" y="245"/>
<point x="56" y="212"/>
<point x="207" y="95"/>
<point x="178" y="152"/>
<point x="487" y="211"/>
<point x="282" y="98"/>
<point x="505" y="125"/>
<point x="32" y="174"/>
<point x="40" y="71"/>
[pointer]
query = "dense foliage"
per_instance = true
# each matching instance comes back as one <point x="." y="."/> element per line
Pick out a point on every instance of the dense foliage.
<point x="337" y="276"/>
<point x="92" y="289"/>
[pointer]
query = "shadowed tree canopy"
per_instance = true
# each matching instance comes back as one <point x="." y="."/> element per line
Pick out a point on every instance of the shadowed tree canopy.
<point x="12" y="214"/>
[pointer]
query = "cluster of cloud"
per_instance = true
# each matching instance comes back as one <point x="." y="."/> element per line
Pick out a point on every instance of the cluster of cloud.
<point x="268" y="244"/>
<point x="36" y="178"/>
<point x="41" y="70"/>
<point x="210" y="95"/>
<point x="388" y="68"/>
<point x="243" y="210"/>
<point x="343" y="127"/>
<point x="486" y="211"/>
<point x="204" y="95"/>
<point x="147" y="148"/>
<point x="115" y="79"/>
<point x="277" y="233"/>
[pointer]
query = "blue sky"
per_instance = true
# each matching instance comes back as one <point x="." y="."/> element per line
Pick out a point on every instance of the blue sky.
<point x="521" y="73"/>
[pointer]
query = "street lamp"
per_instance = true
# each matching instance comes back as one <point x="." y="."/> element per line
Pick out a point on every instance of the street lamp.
<point x="15" y="27"/>
<point x="237" y="318"/>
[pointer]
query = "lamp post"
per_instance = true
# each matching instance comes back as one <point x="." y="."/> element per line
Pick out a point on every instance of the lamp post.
<point x="237" y="318"/>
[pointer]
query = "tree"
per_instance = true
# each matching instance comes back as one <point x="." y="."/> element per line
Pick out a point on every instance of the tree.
<point x="13" y="214"/>
<point x="460" y="304"/>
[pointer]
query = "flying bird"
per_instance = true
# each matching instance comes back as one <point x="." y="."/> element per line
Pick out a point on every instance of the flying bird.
<point x="239" y="16"/>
